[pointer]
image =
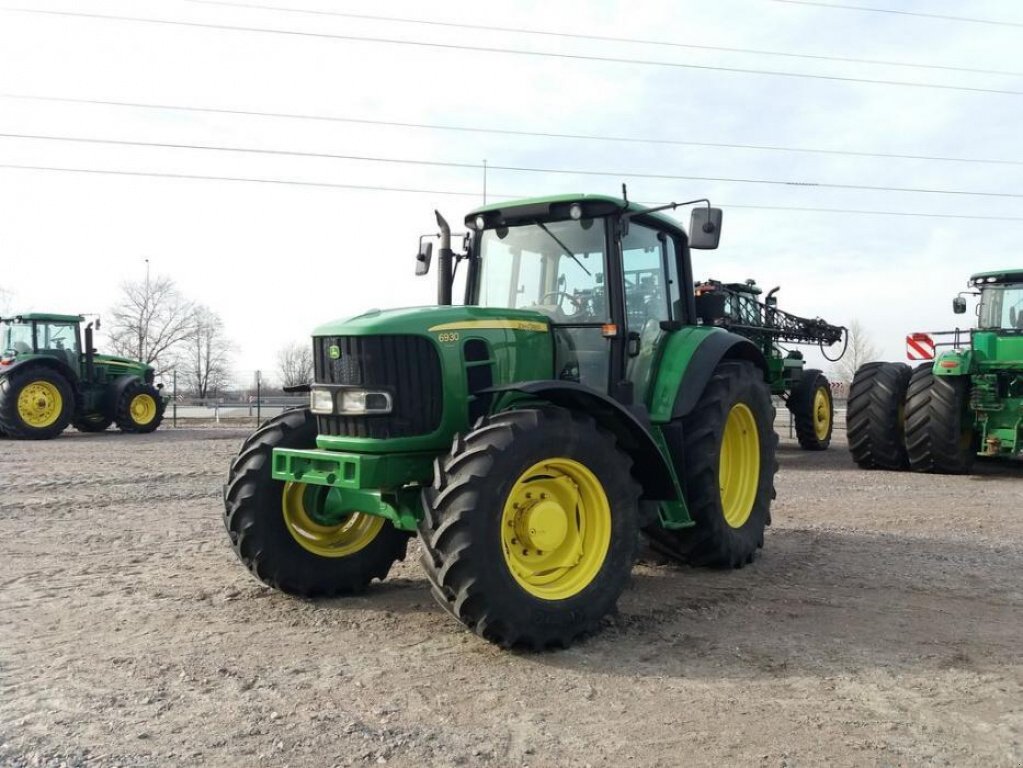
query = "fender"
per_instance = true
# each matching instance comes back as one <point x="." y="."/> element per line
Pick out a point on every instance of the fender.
<point x="649" y="465"/>
<point x="43" y="361"/>
<point x="116" y="389"/>
<point x="687" y="359"/>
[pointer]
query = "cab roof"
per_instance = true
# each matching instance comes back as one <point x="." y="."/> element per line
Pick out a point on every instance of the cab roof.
<point x="46" y="317"/>
<point x="518" y="211"/>
<point x="998" y="276"/>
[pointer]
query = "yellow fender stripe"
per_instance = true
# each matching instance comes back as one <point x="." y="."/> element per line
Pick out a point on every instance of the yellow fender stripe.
<point x="512" y="325"/>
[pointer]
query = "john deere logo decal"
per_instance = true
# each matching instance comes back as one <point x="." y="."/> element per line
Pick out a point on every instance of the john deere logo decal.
<point x="334" y="351"/>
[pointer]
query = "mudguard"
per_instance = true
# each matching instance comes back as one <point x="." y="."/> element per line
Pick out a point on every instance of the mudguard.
<point x="44" y="361"/>
<point x="634" y="436"/>
<point x="711" y="351"/>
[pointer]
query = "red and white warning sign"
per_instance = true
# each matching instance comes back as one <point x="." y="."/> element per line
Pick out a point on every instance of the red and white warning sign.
<point x="919" y="346"/>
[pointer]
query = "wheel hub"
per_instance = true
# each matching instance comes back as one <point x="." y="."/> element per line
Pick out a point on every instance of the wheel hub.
<point x="543" y="525"/>
<point x="39" y="404"/>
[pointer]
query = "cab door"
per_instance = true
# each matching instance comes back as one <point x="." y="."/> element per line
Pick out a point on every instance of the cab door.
<point x="653" y="300"/>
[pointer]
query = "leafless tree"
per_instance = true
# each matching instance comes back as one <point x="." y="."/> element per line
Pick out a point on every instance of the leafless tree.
<point x="205" y="354"/>
<point x="150" y="321"/>
<point x="861" y="350"/>
<point x="295" y="364"/>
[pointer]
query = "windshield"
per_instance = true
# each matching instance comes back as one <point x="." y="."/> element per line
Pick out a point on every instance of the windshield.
<point x="17" y="337"/>
<point x="1001" y="307"/>
<point x="556" y="268"/>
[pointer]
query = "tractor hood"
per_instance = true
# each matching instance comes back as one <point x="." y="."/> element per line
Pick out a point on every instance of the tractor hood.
<point x="432" y="320"/>
<point x="123" y="364"/>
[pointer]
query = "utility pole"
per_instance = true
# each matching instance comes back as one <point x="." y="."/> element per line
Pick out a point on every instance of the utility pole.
<point x="484" y="181"/>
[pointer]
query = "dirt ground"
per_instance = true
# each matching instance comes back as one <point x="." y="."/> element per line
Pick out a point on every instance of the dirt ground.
<point x="882" y="626"/>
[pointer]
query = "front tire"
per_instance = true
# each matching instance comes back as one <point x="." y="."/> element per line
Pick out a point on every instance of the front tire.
<point x="875" y="417"/>
<point x="530" y="527"/>
<point x="95" y="422"/>
<point x="730" y="449"/>
<point x="939" y="430"/>
<point x="277" y="534"/>
<point x="139" y="408"/>
<point x="813" y="410"/>
<point x="35" y="404"/>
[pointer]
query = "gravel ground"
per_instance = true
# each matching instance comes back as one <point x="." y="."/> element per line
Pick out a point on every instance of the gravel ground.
<point x="883" y="625"/>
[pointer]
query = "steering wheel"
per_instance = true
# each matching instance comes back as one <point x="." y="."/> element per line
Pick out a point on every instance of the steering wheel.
<point x="559" y="297"/>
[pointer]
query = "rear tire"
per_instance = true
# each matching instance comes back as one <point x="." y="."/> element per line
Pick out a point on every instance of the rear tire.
<point x="813" y="410"/>
<point x="875" y="417"/>
<point x="35" y="404"/>
<point x="939" y="431"/>
<point x="257" y="511"/>
<point x="139" y="408"/>
<point x="480" y="511"/>
<point x="730" y="500"/>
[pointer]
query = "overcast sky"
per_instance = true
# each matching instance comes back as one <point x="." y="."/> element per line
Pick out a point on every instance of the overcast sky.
<point x="277" y="260"/>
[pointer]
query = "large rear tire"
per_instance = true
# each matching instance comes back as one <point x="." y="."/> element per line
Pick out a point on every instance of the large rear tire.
<point x="277" y="530"/>
<point x="530" y="527"/>
<point x="939" y="432"/>
<point x="730" y="457"/>
<point x="35" y="404"/>
<point x="875" y="416"/>
<point x="139" y="408"/>
<point x="813" y="410"/>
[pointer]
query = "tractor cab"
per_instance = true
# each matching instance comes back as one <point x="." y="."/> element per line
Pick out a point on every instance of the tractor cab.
<point x="609" y="276"/>
<point x="56" y="336"/>
<point x="1001" y="301"/>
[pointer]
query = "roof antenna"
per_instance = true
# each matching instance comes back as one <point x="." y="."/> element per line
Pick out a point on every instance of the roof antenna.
<point x="625" y="194"/>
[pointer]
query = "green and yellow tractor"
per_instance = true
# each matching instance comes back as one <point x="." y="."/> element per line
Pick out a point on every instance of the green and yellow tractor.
<point x="967" y="401"/>
<point x="49" y="380"/>
<point x="527" y="436"/>
<point x="805" y="391"/>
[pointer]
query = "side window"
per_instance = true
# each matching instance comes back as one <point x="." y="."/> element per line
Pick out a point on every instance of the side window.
<point x="60" y="336"/>
<point x="651" y="279"/>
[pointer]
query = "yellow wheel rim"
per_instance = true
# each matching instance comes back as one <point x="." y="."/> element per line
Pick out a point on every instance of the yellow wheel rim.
<point x="739" y="465"/>
<point x="142" y="409"/>
<point x="352" y="533"/>
<point x="822" y="413"/>
<point x="556" y="529"/>
<point x="40" y="404"/>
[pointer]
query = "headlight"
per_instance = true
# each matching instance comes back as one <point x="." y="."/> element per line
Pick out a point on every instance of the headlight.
<point x="576" y="211"/>
<point x="481" y="223"/>
<point x="349" y="401"/>
<point x="363" y="401"/>
<point x="321" y="401"/>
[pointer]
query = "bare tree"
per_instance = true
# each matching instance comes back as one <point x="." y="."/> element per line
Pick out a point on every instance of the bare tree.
<point x="205" y="354"/>
<point x="295" y="364"/>
<point x="861" y="350"/>
<point x="150" y="321"/>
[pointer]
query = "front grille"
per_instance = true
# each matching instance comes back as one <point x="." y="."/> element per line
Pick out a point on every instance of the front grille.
<point x="406" y="366"/>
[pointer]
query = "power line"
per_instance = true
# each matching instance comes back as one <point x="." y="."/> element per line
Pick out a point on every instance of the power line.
<point x="902" y="13"/>
<point x="460" y="47"/>
<point x="511" y="168"/>
<point x="329" y="185"/>
<point x="507" y="131"/>
<point x="602" y="38"/>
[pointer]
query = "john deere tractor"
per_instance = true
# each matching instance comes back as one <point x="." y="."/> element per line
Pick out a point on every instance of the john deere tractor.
<point x="806" y="391"/>
<point x="967" y="402"/>
<point x="48" y="380"/>
<point x="526" y="436"/>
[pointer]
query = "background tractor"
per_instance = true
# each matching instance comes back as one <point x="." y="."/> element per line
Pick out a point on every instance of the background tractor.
<point x="806" y="391"/>
<point x="48" y="380"/>
<point x="526" y="436"/>
<point x="967" y="402"/>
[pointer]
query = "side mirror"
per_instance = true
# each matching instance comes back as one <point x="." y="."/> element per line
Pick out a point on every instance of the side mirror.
<point x="423" y="257"/>
<point x="959" y="305"/>
<point x="705" y="229"/>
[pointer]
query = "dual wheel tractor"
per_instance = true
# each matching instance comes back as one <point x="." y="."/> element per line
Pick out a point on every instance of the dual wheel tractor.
<point x="49" y="380"/>
<point x="528" y="436"/>
<point x="965" y="403"/>
<point x="805" y="391"/>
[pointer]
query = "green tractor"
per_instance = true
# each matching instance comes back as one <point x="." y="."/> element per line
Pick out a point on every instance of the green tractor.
<point x="806" y="391"/>
<point x="967" y="402"/>
<point x="527" y="436"/>
<point x="49" y="380"/>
